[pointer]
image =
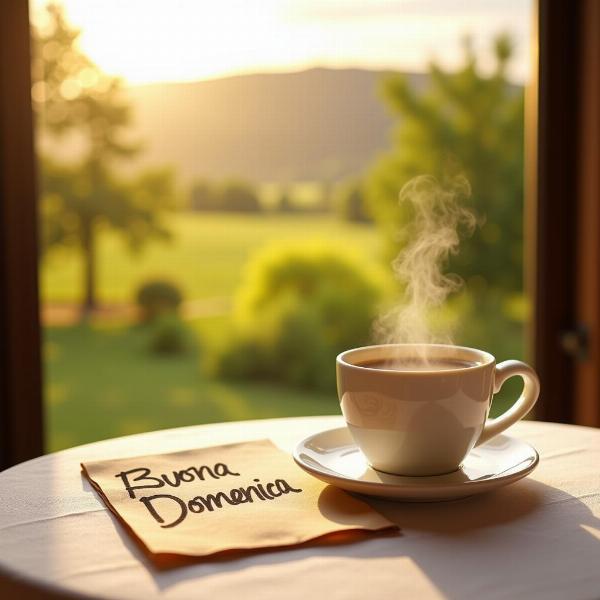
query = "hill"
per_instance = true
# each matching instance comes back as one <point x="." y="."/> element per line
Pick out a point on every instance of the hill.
<point x="309" y="125"/>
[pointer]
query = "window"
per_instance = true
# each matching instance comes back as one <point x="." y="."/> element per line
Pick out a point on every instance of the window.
<point x="227" y="147"/>
<point x="178" y="203"/>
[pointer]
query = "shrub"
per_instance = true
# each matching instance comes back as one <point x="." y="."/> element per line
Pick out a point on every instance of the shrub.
<point x="297" y="309"/>
<point x="168" y="335"/>
<point x="158" y="297"/>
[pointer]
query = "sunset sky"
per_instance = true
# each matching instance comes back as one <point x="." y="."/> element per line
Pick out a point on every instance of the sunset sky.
<point x="148" y="41"/>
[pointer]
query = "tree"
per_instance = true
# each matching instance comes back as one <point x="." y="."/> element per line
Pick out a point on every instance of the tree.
<point x="203" y="196"/>
<point x="72" y="95"/>
<point x="349" y="202"/>
<point x="238" y="196"/>
<point x="463" y="123"/>
<point x="227" y="196"/>
<point x="285" y="203"/>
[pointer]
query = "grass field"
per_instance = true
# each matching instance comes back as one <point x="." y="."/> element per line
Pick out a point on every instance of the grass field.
<point x="102" y="382"/>
<point x="206" y="255"/>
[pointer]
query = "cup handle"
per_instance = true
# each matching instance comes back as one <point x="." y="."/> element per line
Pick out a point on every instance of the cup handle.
<point x="526" y="401"/>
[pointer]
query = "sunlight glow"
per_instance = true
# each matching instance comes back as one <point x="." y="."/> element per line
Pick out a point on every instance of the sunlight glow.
<point x="182" y="40"/>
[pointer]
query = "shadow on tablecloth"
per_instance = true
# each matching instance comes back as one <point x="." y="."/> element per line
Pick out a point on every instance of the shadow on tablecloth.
<point x="513" y="536"/>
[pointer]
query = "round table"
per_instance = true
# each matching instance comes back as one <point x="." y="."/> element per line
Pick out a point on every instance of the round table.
<point x="538" y="538"/>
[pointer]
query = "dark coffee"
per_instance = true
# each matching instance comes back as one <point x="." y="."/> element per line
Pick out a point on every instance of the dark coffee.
<point x="418" y="364"/>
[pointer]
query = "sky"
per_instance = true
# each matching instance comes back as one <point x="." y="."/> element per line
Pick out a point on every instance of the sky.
<point x="148" y="41"/>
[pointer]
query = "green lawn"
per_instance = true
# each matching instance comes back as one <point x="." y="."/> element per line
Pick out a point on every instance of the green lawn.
<point x="103" y="383"/>
<point x="206" y="255"/>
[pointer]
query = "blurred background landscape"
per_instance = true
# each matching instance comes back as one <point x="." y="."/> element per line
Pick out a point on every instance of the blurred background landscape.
<point x="213" y="237"/>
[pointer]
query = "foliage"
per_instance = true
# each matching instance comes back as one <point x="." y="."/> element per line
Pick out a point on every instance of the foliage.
<point x="158" y="297"/>
<point x="298" y="308"/>
<point x="168" y="335"/>
<point x="75" y="198"/>
<point x="203" y="197"/>
<point x="350" y="203"/>
<point x="237" y="196"/>
<point x="72" y="95"/>
<point x="463" y="123"/>
<point x="228" y="196"/>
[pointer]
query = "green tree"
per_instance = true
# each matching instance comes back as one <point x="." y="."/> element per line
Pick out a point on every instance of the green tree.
<point x="203" y="196"/>
<point x="466" y="123"/>
<point x="350" y="203"/>
<point x="238" y="196"/>
<point x="72" y="96"/>
<point x="285" y="203"/>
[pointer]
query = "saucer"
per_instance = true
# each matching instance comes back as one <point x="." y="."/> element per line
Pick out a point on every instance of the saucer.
<point x="333" y="457"/>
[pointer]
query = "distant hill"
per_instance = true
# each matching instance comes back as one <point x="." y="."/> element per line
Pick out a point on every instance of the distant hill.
<point x="313" y="124"/>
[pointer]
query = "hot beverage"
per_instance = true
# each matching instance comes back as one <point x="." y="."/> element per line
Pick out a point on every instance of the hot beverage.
<point x="418" y="364"/>
<point x="415" y="416"/>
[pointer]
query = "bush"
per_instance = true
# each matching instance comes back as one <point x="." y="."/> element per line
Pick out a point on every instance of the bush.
<point x="168" y="336"/>
<point x="158" y="297"/>
<point x="298" y="308"/>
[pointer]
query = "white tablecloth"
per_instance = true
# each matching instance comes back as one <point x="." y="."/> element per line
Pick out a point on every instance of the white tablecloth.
<point x="539" y="538"/>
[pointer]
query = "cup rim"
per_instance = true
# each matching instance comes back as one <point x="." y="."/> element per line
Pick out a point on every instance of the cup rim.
<point x="487" y="359"/>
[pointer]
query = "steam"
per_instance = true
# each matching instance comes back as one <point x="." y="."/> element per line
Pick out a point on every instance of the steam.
<point x="438" y="219"/>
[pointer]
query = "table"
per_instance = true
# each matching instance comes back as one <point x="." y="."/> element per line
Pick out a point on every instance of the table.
<point x="539" y="538"/>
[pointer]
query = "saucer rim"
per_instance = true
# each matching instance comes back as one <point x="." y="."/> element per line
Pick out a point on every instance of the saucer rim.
<point x="415" y="487"/>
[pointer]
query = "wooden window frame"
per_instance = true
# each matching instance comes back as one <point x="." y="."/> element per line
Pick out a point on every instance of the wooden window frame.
<point x="21" y="411"/>
<point x="550" y="222"/>
<point x="562" y="224"/>
<point x="587" y="244"/>
<point x="561" y="234"/>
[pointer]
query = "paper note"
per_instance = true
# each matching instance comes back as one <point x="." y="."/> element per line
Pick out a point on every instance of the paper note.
<point x="221" y="499"/>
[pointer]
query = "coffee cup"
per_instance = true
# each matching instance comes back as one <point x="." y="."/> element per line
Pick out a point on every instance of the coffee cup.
<point x="419" y="409"/>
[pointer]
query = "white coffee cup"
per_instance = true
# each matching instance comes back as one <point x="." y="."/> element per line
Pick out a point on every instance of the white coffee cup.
<point x="426" y="420"/>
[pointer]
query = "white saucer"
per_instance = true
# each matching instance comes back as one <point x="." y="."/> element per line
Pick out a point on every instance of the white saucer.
<point x="332" y="456"/>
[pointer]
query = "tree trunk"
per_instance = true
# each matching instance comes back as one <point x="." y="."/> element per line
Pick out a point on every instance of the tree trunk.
<point x="88" y="252"/>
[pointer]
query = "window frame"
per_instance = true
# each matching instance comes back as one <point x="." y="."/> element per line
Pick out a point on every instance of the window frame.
<point x="550" y="223"/>
<point x="563" y="222"/>
<point x="21" y="410"/>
